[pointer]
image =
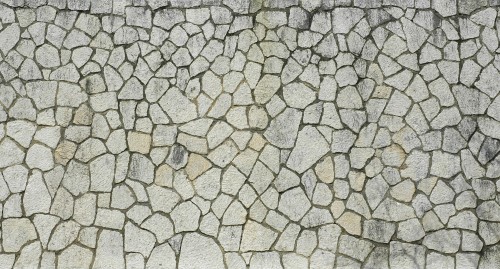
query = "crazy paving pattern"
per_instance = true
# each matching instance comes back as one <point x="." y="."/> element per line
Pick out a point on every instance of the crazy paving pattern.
<point x="249" y="134"/>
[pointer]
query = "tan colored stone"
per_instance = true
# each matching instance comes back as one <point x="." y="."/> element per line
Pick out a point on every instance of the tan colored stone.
<point x="337" y="208"/>
<point x="324" y="170"/>
<point x="351" y="222"/>
<point x="196" y="166"/>
<point x="257" y="142"/>
<point x="64" y="152"/>
<point x="164" y="176"/>
<point x="139" y="142"/>
<point x="83" y="115"/>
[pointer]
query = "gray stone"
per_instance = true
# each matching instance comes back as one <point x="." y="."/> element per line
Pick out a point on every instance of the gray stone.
<point x="444" y="164"/>
<point x="392" y="210"/>
<point x="9" y="36"/>
<point x="309" y="148"/>
<point x="294" y="204"/>
<point x="446" y="241"/>
<point x="353" y="247"/>
<point x="407" y="256"/>
<point x="378" y="231"/>
<point x="282" y="131"/>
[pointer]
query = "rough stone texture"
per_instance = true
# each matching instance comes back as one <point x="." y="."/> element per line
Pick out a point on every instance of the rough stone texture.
<point x="249" y="134"/>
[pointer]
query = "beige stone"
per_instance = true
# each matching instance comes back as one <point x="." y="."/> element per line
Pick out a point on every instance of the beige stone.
<point x="337" y="208"/>
<point x="83" y="115"/>
<point x="164" y="176"/>
<point x="196" y="166"/>
<point x="139" y="142"/>
<point x="64" y="152"/>
<point x="257" y="142"/>
<point x="351" y="222"/>
<point x="324" y="170"/>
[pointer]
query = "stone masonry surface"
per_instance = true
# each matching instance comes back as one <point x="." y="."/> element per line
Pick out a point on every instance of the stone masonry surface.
<point x="258" y="134"/>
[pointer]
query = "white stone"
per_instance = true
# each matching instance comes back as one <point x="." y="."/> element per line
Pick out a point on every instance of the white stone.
<point x="40" y="157"/>
<point x="138" y="240"/>
<point x="109" y="251"/>
<point x="36" y="197"/>
<point x="178" y="107"/>
<point x="64" y="234"/>
<point x="200" y="251"/>
<point x="16" y="232"/>
<point x="102" y="173"/>
<point x="294" y="204"/>
<point x="185" y="217"/>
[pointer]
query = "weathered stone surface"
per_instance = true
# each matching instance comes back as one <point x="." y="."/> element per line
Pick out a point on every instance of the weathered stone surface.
<point x="309" y="148"/>
<point x="178" y="107"/>
<point x="239" y="133"/>
<point x="16" y="232"/>
<point x="109" y="251"/>
<point x="256" y="237"/>
<point x="294" y="204"/>
<point x="198" y="250"/>
<point x="282" y="131"/>
<point x="443" y="241"/>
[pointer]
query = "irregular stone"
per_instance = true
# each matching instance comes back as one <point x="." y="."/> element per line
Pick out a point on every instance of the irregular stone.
<point x="446" y="241"/>
<point x="64" y="234"/>
<point x="141" y="168"/>
<point x="268" y="85"/>
<point x="40" y="157"/>
<point x="298" y="95"/>
<point x="102" y="173"/>
<point x="75" y="257"/>
<point x="185" y="217"/>
<point x="442" y="193"/>
<point x="294" y="203"/>
<point x="36" y="197"/>
<point x="471" y="101"/>
<point x="47" y="56"/>
<point x="415" y="35"/>
<point x="310" y="147"/>
<point x="489" y="127"/>
<point x="444" y="164"/>
<point x="138" y="240"/>
<point x="487" y="80"/>
<point x="178" y="107"/>
<point x="16" y="232"/>
<point x="11" y="153"/>
<point x="282" y="131"/>
<point x="404" y="255"/>
<point x="378" y="231"/>
<point x="343" y="19"/>
<point x="9" y="37"/>
<point x="351" y="222"/>
<point x="354" y="247"/>
<point x="257" y="237"/>
<point x="489" y="211"/>
<point x="109" y="251"/>
<point x="198" y="250"/>
<point x="392" y="210"/>
<point x="410" y="230"/>
<point x="162" y="257"/>
<point x="162" y="199"/>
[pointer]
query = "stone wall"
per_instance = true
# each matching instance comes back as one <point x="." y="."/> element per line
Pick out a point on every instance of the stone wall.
<point x="249" y="134"/>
